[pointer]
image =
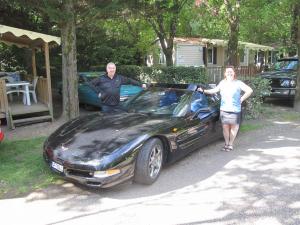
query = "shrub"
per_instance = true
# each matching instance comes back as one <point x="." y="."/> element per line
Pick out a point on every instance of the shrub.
<point x="261" y="87"/>
<point x="131" y="71"/>
<point x="164" y="74"/>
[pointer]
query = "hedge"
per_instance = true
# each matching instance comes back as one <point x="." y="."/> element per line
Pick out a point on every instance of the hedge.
<point x="164" y="74"/>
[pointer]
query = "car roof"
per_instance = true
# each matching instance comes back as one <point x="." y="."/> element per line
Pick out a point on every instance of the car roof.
<point x="288" y="59"/>
<point x="91" y="73"/>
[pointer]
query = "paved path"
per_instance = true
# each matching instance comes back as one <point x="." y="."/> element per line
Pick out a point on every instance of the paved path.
<point x="257" y="183"/>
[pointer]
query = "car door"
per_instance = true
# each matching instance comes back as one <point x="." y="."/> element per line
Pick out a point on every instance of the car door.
<point x="86" y="94"/>
<point x="196" y="128"/>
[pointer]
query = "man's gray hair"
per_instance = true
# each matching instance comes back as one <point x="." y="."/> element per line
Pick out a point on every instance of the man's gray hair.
<point x="110" y="64"/>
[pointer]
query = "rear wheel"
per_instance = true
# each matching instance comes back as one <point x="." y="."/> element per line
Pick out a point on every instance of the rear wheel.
<point x="149" y="162"/>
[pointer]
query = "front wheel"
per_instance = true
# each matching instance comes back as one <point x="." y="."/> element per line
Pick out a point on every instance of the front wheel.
<point x="149" y="162"/>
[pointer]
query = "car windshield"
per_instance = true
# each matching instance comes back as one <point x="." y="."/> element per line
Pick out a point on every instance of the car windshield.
<point x="286" y="65"/>
<point x="173" y="102"/>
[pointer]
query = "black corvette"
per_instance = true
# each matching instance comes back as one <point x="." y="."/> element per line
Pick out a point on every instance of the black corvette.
<point x="158" y="126"/>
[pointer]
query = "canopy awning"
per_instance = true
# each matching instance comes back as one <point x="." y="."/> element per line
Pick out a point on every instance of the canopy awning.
<point x="26" y="38"/>
<point x="223" y="43"/>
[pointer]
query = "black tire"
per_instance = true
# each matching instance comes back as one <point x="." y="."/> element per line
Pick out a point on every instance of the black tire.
<point x="149" y="162"/>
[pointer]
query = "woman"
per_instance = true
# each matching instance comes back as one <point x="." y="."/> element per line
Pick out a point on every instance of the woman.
<point x="231" y="99"/>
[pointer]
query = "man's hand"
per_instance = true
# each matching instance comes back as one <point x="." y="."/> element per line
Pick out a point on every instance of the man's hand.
<point x="144" y="86"/>
<point x="99" y="95"/>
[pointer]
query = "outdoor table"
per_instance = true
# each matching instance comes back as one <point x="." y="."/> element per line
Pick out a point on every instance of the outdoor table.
<point x="25" y="84"/>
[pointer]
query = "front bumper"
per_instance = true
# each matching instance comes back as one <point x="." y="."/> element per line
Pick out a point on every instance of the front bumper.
<point x="86" y="177"/>
<point x="287" y="93"/>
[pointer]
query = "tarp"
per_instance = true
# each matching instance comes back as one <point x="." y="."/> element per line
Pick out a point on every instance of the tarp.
<point x="25" y="38"/>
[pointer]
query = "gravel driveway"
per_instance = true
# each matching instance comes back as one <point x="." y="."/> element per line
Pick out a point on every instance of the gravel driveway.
<point x="257" y="183"/>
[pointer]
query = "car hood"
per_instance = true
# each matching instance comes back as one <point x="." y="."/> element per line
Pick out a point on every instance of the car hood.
<point x="279" y="74"/>
<point x="98" y="135"/>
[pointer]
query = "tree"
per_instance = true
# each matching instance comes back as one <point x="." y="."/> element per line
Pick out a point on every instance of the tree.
<point x="230" y="11"/>
<point x="163" y="16"/>
<point x="63" y="13"/>
<point x="233" y="18"/>
<point x="69" y="61"/>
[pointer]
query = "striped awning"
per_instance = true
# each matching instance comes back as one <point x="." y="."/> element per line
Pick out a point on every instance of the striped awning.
<point x="26" y="38"/>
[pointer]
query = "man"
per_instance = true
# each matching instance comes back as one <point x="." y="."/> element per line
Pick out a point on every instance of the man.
<point x="108" y="88"/>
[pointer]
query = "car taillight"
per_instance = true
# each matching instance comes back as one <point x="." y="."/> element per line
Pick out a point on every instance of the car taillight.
<point x="1" y="135"/>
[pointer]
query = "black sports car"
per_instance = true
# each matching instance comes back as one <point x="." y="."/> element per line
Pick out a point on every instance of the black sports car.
<point x="283" y="78"/>
<point x="158" y="126"/>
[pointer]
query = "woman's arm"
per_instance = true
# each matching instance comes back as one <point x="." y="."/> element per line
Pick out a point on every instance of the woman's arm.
<point x="209" y="91"/>
<point x="247" y="91"/>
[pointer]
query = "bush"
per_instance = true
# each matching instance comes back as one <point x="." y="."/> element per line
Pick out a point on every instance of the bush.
<point x="261" y="87"/>
<point x="164" y="74"/>
<point x="131" y="71"/>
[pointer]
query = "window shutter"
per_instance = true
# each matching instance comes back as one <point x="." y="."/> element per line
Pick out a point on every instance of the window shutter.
<point x="215" y="55"/>
<point x="204" y="56"/>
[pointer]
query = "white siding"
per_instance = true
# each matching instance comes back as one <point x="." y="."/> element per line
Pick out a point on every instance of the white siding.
<point x="189" y="55"/>
<point x="246" y="58"/>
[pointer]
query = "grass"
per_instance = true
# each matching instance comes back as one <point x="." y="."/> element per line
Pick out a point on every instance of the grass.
<point x="22" y="168"/>
<point x="283" y="114"/>
<point x="250" y="127"/>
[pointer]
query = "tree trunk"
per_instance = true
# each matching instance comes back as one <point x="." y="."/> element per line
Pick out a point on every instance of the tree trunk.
<point x="69" y="63"/>
<point x="233" y="19"/>
<point x="297" y="22"/>
<point x="169" y="57"/>
<point x="167" y="48"/>
<point x="233" y="44"/>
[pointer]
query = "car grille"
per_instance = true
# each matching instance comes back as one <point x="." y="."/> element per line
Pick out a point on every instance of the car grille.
<point x="275" y="83"/>
<point x="78" y="173"/>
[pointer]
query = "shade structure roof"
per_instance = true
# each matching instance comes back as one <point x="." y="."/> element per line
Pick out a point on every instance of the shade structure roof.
<point x="223" y="43"/>
<point x="25" y="38"/>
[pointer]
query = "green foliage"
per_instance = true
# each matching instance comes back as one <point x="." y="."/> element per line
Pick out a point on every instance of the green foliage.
<point x="261" y="87"/>
<point x="131" y="71"/>
<point x="258" y="16"/>
<point x="164" y="74"/>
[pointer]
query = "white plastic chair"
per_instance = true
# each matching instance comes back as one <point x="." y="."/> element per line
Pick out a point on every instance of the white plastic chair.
<point x="32" y="88"/>
<point x="11" y="90"/>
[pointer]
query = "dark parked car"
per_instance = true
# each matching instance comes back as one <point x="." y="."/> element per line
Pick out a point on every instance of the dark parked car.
<point x="158" y="126"/>
<point x="88" y="97"/>
<point x="283" y="78"/>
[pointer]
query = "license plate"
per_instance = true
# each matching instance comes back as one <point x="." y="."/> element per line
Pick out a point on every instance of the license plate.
<point x="57" y="166"/>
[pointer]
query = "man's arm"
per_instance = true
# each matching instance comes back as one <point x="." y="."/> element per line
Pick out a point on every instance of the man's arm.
<point x="94" y="84"/>
<point x="127" y="80"/>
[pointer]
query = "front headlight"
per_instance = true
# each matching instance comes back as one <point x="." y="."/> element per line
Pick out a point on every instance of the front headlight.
<point x="285" y="83"/>
<point x="293" y="83"/>
<point x="106" y="173"/>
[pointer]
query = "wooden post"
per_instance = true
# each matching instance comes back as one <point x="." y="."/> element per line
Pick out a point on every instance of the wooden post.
<point x="266" y="57"/>
<point x="33" y="63"/>
<point x="47" y="64"/>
